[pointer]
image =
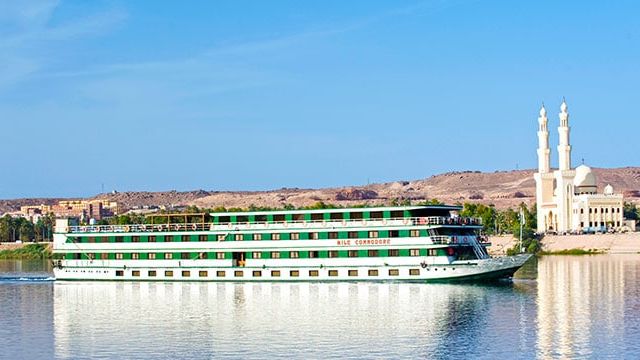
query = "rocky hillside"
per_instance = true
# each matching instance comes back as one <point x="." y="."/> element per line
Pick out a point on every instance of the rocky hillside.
<point x="503" y="189"/>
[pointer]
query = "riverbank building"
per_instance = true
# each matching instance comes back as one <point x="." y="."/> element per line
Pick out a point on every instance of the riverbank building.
<point x="567" y="199"/>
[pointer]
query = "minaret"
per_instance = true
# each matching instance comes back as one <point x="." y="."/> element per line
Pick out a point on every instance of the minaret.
<point x="543" y="142"/>
<point x="564" y="149"/>
<point x="544" y="176"/>
<point x="564" y="175"/>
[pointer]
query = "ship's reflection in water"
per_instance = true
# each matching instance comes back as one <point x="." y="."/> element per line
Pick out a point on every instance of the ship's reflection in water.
<point x="578" y="307"/>
<point x="588" y="307"/>
<point x="188" y="320"/>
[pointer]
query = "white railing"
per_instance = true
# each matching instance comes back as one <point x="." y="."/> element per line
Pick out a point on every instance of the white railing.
<point x="299" y="225"/>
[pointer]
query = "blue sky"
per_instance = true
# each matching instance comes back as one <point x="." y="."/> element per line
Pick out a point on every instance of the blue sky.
<point x="254" y="95"/>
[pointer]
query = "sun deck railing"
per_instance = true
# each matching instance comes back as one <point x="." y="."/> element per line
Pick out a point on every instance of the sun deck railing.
<point x="298" y="225"/>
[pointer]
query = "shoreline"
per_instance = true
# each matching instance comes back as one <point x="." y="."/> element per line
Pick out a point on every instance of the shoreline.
<point x="26" y="251"/>
<point x="628" y="243"/>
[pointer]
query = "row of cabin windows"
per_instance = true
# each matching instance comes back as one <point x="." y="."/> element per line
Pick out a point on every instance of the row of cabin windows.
<point x="257" y="254"/>
<point x="264" y="236"/>
<point x="273" y="273"/>
<point x="330" y="216"/>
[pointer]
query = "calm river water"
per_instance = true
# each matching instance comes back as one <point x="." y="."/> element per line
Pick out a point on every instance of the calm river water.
<point x="559" y="307"/>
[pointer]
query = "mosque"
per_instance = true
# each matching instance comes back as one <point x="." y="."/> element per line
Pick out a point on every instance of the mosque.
<point x="567" y="199"/>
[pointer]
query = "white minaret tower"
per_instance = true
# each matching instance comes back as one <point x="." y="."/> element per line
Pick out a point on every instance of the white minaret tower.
<point x="564" y="149"/>
<point x="564" y="175"/>
<point x="544" y="177"/>
<point x="543" y="142"/>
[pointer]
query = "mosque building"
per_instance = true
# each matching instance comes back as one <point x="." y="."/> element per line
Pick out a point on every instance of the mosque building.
<point x="567" y="199"/>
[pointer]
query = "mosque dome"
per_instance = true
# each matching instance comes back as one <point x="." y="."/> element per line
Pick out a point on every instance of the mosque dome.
<point x="608" y="190"/>
<point x="585" y="180"/>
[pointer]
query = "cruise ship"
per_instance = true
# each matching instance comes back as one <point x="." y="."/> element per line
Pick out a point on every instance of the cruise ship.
<point x="408" y="243"/>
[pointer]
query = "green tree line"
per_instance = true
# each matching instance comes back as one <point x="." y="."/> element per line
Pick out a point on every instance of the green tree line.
<point x="14" y="229"/>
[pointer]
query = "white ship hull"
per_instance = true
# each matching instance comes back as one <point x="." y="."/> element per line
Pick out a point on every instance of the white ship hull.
<point x="472" y="270"/>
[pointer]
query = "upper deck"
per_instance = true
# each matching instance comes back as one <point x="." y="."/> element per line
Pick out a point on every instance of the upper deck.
<point x="437" y="215"/>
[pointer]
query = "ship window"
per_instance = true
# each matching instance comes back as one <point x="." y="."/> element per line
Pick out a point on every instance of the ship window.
<point x="414" y="233"/>
<point x="353" y="253"/>
<point x="238" y="237"/>
<point x="238" y="273"/>
<point x="394" y="272"/>
<point x="104" y="256"/>
<point x="333" y="272"/>
<point x="335" y="216"/>
<point x="394" y="252"/>
<point x="333" y="235"/>
<point x="203" y="273"/>
<point x="414" y="252"/>
<point x="373" y="234"/>
<point x="352" y="234"/>
<point x="168" y="238"/>
<point x="372" y="253"/>
<point x="294" y="273"/>
<point x="241" y="219"/>
<point x="152" y="273"/>
<point x="353" y="272"/>
<point x="275" y="236"/>
<point x="257" y="236"/>
<point x="257" y="273"/>
<point x="224" y="220"/>
<point x="333" y="253"/>
<point x="394" y="233"/>
<point x="91" y="239"/>
<point x="168" y="256"/>
<point x="135" y="273"/>
<point x="221" y="273"/>
<point x="260" y="219"/>
<point x="278" y="218"/>
<point x="202" y="237"/>
<point x="221" y="237"/>
<point x="256" y="255"/>
<point x="432" y="252"/>
<point x="355" y="216"/>
<point x="275" y="255"/>
<point x="295" y="236"/>
<point x="152" y="238"/>
<point x="151" y="256"/>
<point x="313" y="236"/>
<point x="135" y="239"/>
<point x="313" y="273"/>
<point x="313" y="254"/>
<point x="119" y="273"/>
<point x="375" y="215"/>
<point x="135" y="256"/>
<point x="317" y="217"/>
<point x="414" y="271"/>
<point x="119" y="239"/>
<point x="373" y="272"/>
<point x="275" y="273"/>
<point x="119" y="256"/>
<point x="168" y="273"/>
<point x="186" y="273"/>
<point x="297" y="217"/>
<point x="184" y="256"/>
<point x="397" y="214"/>
<point x="203" y="255"/>
<point x="220" y="255"/>
<point x="294" y="254"/>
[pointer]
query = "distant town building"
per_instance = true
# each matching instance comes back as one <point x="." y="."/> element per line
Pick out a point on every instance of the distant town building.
<point x="83" y="209"/>
<point x="567" y="199"/>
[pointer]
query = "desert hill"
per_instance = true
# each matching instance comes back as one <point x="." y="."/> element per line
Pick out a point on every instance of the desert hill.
<point x="501" y="188"/>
